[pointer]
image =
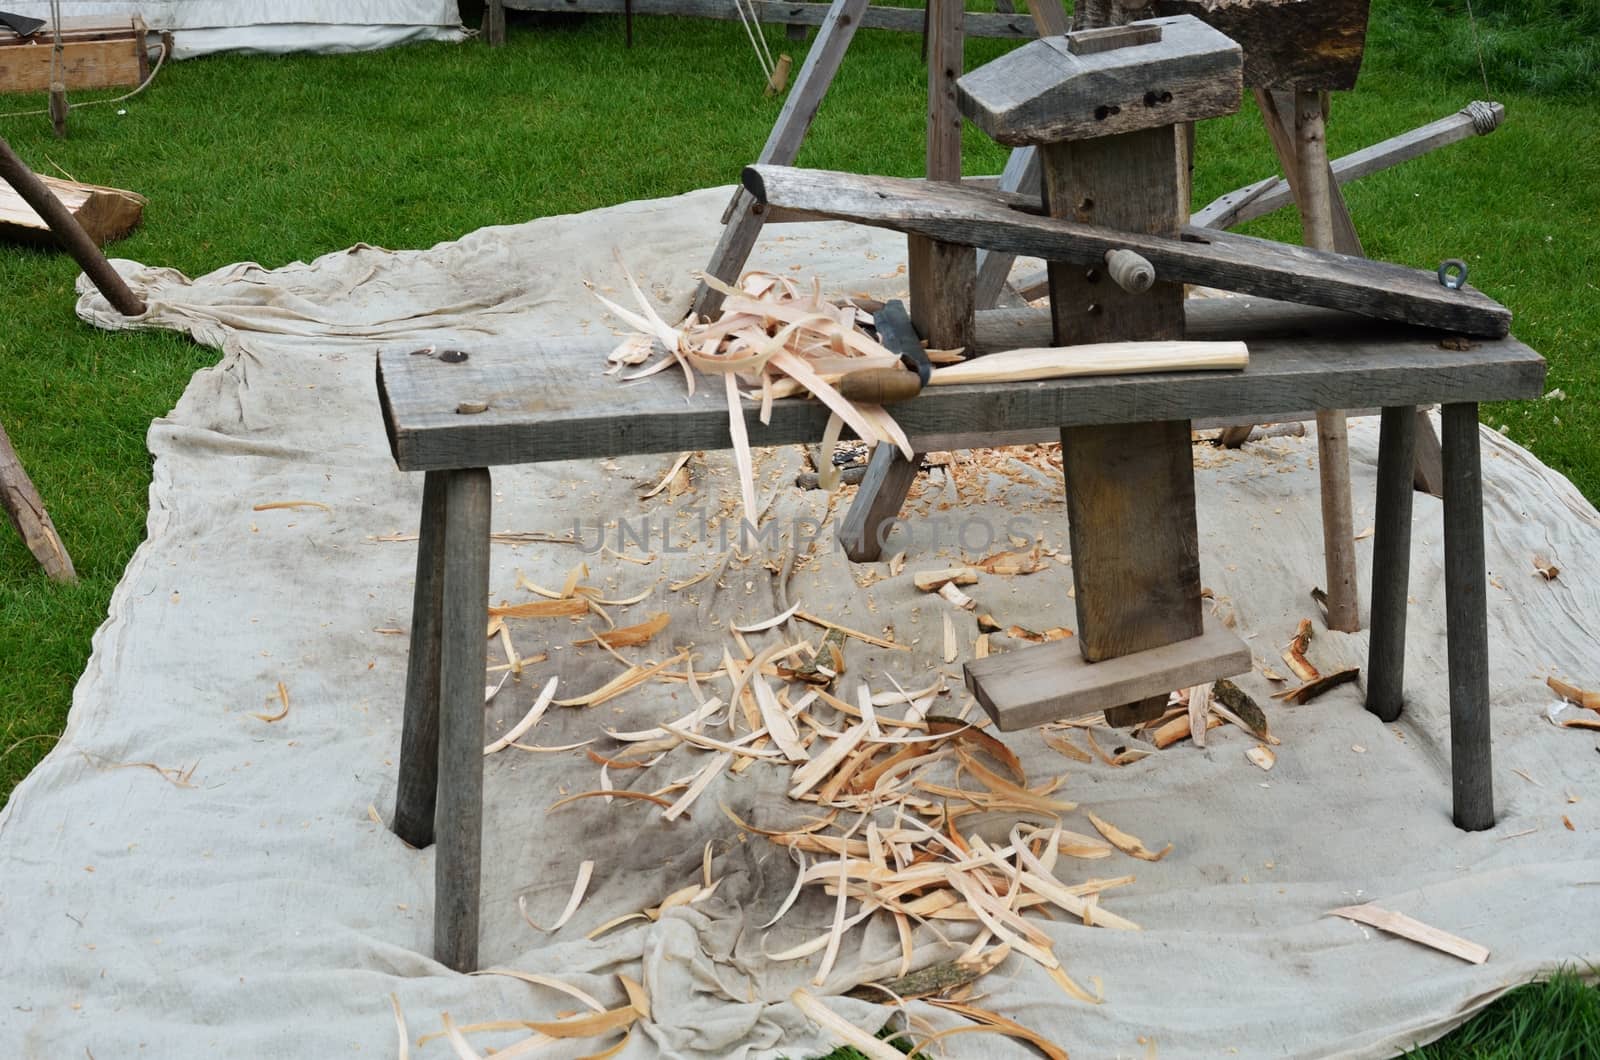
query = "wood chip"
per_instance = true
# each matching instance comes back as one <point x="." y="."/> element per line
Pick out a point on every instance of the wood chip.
<point x="842" y="1029"/>
<point x="993" y="1023"/>
<point x="529" y="720"/>
<point x="580" y="887"/>
<point x="1415" y="930"/>
<point x="629" y="636"/>
<point x="672" y="473"/>
<point x="569" y="608"/>
<point x="955" y="596"/>
<point x="1314" y="688"/>
<point x="1544" y="568"/>
<point x="283" y="698"/>
<point x="1574" y="694"/>
<point x="294" y="506"/>
<point x="847" y="631"/>
<point x="951" y="648"/>
<point x="776" y="620"/>
<point x="1295" y="653"/>
<point x="931" y="581"/>
<point x="1262" y="756"/>
<point x="1128" y="844"/>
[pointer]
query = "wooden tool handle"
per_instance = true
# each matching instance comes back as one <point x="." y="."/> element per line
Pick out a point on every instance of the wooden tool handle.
<point x="880" y="386"/>
<point x="1130" y="271"/>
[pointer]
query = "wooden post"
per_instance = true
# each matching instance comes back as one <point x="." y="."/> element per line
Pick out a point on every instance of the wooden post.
<point x="1333" y="440"/>
<point x="942" y="278"/>
<point x="68" y="232"/>
<point x="26" y="511"/>
<point x="462" y="671"/>
<point x="416" y="794"/>
<point x="741" y="224"/>
<point x="942" y="275"/>
<point x="1130" y="489"/>
<point x="1466" y="621"/>
<point x="1391" y="563"/>
<point x="494" y="23"/>
<point x="1021" y="171"/>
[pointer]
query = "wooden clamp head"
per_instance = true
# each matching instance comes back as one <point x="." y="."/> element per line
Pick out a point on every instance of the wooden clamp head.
<point x="1106" y="81"/>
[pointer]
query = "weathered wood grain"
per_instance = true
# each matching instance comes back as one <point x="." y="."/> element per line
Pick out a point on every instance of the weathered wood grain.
<point x="458" y="824"/>
<point x="1391" y="563"/>
<point x="418" y="782"/>
<point x="26" y="512"/>
<point x="1466" y="620"/>
<point x="959" y="214"/>
<point x="548" y="401"/>
<point x="942" y="276"/>
<point x="1308" y="43"/>
<point x="743" y="221"/>
<point x="1044" y="93"/>
<point x="96" y="53"/>
<point x="1044" y="682"/>
<point x="877" y="504"/>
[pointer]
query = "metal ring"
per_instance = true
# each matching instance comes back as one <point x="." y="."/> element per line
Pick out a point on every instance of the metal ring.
<point x="1457" y="280"/>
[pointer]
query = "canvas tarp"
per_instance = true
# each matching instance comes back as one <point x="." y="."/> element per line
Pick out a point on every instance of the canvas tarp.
<point x="256" y="907"/>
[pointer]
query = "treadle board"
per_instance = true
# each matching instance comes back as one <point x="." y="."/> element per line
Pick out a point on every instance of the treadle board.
<point x="1047" y="682"/>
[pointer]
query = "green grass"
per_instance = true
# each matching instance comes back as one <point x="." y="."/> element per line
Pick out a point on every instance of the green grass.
<point x="279" y="159"/>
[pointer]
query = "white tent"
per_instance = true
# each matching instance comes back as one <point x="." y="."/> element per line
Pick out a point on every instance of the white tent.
<point x="200" y="27"/>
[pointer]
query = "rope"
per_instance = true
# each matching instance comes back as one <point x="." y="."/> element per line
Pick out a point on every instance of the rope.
<point x="757" y="41"/>
<point x="1478" y="43"/>
<point x="1485" y="119"/>
<point x="97" y="102"/>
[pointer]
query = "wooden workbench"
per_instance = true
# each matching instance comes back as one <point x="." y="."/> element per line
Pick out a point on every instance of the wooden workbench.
<point x="546" y="400"/>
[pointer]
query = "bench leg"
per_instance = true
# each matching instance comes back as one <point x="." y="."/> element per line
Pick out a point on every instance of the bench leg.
<point x="462" y="672"/>
<point x="1391" y="563"/>
<point x="1466" y="618"/>
<point x="879" y="498"/>
<point x="419" y="736"/>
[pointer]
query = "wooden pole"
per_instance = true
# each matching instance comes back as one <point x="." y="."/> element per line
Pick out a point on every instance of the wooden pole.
<point x="68" y="232"/>
<point x="1333" y="439"/>
<point x="1391" y="563"/>
<point x="458" y="828"/>
<point x="1466" y="620"/>
<point x="417" y="792"/>
<point x="26" y="512"/>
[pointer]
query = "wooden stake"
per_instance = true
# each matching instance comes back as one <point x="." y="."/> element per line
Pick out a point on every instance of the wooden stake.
<point x="26" y="511"/>
<point x="1333" y="439"/>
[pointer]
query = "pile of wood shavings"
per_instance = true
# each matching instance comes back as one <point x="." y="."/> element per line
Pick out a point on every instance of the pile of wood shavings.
<point x="911" y="816"/>
<point x="780" y="338"/>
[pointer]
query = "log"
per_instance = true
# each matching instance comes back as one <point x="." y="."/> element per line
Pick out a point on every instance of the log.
<point x="1204" y="256"/>
<point x="69" y="233"/>
<point x="103" y="213"/>
<point x="26" y="511"/>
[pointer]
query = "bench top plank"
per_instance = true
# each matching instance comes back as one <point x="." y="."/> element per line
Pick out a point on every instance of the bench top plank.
<point x="547" y="399"/>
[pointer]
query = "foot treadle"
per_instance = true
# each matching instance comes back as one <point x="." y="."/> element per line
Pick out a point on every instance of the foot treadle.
<point x="1047" y="682"/>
